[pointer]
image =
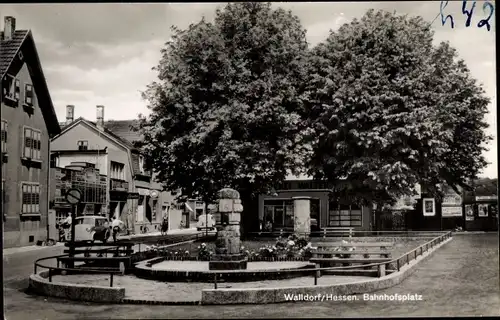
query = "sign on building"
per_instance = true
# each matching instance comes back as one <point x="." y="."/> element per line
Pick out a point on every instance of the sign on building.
<point x="451" y="211"/>
<point x="429" y="207"/>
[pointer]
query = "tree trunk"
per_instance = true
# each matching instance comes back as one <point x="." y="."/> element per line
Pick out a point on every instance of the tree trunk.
<point x="250" y="214"/>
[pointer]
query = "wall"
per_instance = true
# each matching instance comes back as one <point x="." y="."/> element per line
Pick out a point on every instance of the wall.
<point x="321" y="195"/>
<point x="115" y="152"/>
<point x="16" y="229"/>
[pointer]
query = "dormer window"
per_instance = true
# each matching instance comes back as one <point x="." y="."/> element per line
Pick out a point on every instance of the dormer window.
<point x="11" y="88"/>
<point x="28" y="94"/>
<point x="83" y="145"/>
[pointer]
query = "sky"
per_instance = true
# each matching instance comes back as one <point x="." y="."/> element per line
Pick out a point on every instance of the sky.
<point x="103" y="54"/>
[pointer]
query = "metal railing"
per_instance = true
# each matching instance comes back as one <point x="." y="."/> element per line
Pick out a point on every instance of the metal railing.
<point x="326" y="233"/>
<point x="316" y="272"/>
<point x="111" y="271"/>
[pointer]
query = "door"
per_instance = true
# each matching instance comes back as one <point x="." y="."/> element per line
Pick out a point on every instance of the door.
<point x="279" y="217"/>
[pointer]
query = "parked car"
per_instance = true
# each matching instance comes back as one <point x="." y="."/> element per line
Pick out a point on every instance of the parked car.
<point x="206" y="222"/>
<point x="92" y="228"/>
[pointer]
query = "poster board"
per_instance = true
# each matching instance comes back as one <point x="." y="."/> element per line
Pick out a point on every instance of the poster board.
<point x="451" y="211"/>
<point x="469" y="212"/>
<point x="429" y="207"/>
<point x="482" y="210"/>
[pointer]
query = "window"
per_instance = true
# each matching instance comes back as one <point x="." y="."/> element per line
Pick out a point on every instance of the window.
<point x="28" y="94"/>
<point x="11" y="87"/>
<point x="83" y="145"/>
<point x="32" y="143"/>
<point x="31" y="198"/>
<point x="4" y="135"/>
<point x="117" y="170"/>
<point x="141" y="164"/>
<point x="345" y="215"/>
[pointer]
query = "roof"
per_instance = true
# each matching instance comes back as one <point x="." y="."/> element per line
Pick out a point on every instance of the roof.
<point x="9" y="49"/>
<point x="23" y="40"/>
<point x="92" y="124"/>
<point x="124" y="129"/>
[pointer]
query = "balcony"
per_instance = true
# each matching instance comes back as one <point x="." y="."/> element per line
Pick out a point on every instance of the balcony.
<point x="118" y="185"/>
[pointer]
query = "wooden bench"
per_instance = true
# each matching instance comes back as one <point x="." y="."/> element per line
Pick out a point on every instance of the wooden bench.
<point x="342" y="231"/>
<point x="335" y="261"/>
<point x="126" y="252"/>
<point x="365" y="254"/>
<point x="65" y="260"/>
<point x="381" y="245"/>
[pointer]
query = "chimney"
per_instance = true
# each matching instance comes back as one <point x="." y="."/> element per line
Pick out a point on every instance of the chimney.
<point x="9" y="28"/>
<point x="100" y="117"/>
<point x="70" y="114"/>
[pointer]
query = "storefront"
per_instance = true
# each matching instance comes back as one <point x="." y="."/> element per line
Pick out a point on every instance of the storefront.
<point x="481" y="213"/>
<point x="277" y="211"/>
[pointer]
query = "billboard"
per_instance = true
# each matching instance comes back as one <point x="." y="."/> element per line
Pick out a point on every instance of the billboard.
<point x="451" y="211"/>
<point x="429" y="207"/>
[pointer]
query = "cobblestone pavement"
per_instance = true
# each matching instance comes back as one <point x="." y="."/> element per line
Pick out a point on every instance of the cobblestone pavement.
<point x="460" y="279"/>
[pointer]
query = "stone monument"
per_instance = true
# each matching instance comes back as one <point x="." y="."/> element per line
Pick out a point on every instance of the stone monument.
<point x="227" y="246"/>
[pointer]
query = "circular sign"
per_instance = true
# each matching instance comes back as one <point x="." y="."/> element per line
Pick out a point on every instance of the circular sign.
<point x="73" y="196"/>
<point x="154" y="194"/>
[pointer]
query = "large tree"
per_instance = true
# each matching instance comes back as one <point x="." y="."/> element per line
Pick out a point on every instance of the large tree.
<point x="225" y="110"/>
<point x="388" y="109"/>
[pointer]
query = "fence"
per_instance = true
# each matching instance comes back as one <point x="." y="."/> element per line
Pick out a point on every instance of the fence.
<point x="381" y="266"/>
<point x="111" y="271"/>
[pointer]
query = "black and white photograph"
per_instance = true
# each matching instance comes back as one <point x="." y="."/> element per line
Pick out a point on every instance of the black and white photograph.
<point x="213" y="160"/>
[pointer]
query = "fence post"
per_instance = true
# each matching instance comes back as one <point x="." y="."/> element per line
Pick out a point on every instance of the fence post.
<point x="397" y="262"/>
<point x="111" y="280"/>
<point x="315" y="278"/>
<point x="215" y="281"/>
<point x="50" y="275"/>
<point x="324" y="233"/>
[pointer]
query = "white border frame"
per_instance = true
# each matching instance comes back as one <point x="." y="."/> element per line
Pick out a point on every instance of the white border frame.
<point x="429" y="214"/>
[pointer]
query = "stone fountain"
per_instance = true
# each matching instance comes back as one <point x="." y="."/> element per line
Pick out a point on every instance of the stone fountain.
<point x="227" y="214"/>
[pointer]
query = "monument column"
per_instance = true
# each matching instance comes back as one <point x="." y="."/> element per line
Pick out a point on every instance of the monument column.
<point x="302" y="215"/>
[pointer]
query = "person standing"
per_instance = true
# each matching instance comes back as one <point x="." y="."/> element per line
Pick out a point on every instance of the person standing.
<point x="66" y="224"/>
<point x="116" y="226"/>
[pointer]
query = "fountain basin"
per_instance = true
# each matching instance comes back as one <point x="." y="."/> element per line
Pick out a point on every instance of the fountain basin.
<point x="188" y="271"/>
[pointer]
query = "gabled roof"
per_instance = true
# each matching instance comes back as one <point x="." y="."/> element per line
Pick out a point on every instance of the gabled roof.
<point x="124" y="129"/>
<point x="22" y="40"/>
<point x="124" y="143"/>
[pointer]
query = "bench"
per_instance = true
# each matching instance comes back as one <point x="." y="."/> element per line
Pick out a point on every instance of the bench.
<point x="332" y="262"/>
<point x="342" y="231"/>
<point x="381" y="245"/>
<point x="65" y="260"/>
<point x="366" y="254"/>
<point x="79" y="244"/>
<point x="102" y="251"/>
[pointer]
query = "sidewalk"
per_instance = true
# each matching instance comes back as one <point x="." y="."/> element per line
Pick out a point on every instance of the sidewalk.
<point x="9" y="251"/>
<point x="158" y="233"/>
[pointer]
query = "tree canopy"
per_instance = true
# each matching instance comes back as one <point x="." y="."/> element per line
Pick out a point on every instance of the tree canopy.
<point x="242" y="101"/>
<point x="225" y="111"/>
<point x="389" y="110"/>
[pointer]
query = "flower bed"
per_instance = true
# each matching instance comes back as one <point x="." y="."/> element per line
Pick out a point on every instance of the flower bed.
<point x="283" y="249"/>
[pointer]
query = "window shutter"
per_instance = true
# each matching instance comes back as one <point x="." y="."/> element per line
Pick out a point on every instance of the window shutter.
<point x="17" y="89"/>
<point x="29" y="94"/>
<point x="27" y="142"/>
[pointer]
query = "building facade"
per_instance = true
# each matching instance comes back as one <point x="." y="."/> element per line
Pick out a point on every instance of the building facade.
<point x="326" y="210"/>
<point x="131" y="192"/>
<point x="28" y="122"/>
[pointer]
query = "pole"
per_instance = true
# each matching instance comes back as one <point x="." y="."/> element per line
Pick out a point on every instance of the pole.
<point x="72" y="242"/>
